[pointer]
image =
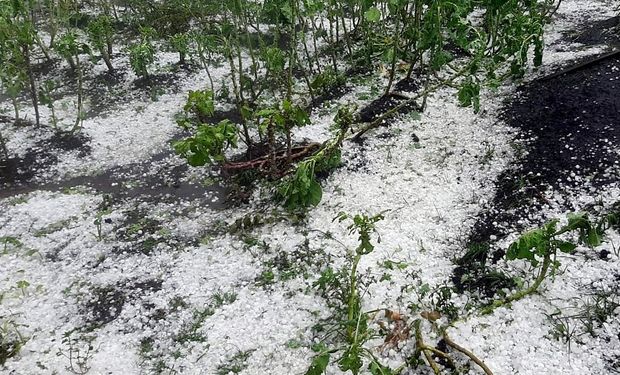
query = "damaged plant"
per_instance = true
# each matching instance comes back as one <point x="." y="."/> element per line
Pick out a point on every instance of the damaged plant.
<point x="351" y="330"/>
<point x="209" y="142"/>
<point x="540" y="248"/>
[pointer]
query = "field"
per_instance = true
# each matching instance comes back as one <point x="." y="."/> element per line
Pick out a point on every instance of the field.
<point x="310" y="187"/>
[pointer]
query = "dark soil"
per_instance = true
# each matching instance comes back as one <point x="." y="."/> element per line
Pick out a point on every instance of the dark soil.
<point x="385" y="103"/>
<point x="571" y="125"/>
<point x="105" y="306"/>
<point x="44" y="154"/>
<point x="332" y="93"/>
<point x="407" y="85"/>
<point x="606" y="31"/>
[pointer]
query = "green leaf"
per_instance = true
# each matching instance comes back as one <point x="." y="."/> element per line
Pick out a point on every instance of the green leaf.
<point x="319" y="364"/>
<point x="372" y="15"/>
<point x="594" y="238"/>
<point x="378" y="369"/>
<point x="351" y="360"/>
<point x="315" y="193"/>
<point x="577" y="220"/>
<point x="469" y="95"/>
<point x="566" y="247"/>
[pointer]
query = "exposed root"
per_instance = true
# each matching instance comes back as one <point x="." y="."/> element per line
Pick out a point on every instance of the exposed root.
<point x="264" y="163"/>
<point x="423" y="348"/>
<point x="428" y="350"/>
<point x="471" y="355"/>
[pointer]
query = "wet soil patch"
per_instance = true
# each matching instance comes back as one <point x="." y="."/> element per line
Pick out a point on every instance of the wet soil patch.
<point x="598" y="32"/>
<point x="339" y="88"/>
<point x="155" y="180"/>
<point x="407" y="85"/>
<point x="43" y="155"/>
<point x="380" y="106"/>
<point x="105" y="305"/>
<point x="334" y="92"/>
<point x="67" y="142"/>
<point x="570" y="125"/>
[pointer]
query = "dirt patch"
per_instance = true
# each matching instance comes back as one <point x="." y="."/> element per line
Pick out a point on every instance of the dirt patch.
<point x="43" y="155"/>
<point x="571" y="126"/>
<point x="385" y="103"/>
<point x="598" y="32"/>
<point x="104" y="307"/>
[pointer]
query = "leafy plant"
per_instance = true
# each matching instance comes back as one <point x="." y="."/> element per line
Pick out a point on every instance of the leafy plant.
<point x="200" y="104"/>
<point x="353" y="326"/>
<point x="180" y="43"/>
<point x="302" y="189"/>
<point x="79" y="350"/>
<point x="209" y="142"/>
<point x="100" y="34"/>
<point x="142" y="54"/>
<point x="539" y="247"/>
<point x="70" y="49"/>
<point x="11" y="340"/>
<point x="47" y="98"/>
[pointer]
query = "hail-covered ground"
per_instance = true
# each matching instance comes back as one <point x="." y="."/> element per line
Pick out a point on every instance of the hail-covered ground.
<point x="141" y="284"/>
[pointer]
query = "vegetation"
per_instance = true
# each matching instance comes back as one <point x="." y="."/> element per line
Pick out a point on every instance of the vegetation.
<point x="545" y="242"/>
<point x="304" y="53"/>
<point x="282" y="57"/>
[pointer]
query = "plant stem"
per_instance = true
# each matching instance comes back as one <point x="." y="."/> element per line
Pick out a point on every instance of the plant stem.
<point x="522" y="293"/>
<point x="15" y="108"/>
<point x="78" y="119"/>
<point x="421" y="347"/>
<point x="353" y="303"/>
<point x="394" y="54"/>
<point x="468" y="353"/>
<point x="32" y="82"/>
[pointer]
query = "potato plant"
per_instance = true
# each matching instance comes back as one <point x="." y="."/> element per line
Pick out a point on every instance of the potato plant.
<point x="100" y="35"/>
<point x="17" y="45"/>
<point x="282" y="54"/>
<point x="472" y="43"/>
<point x="540" y="247"/>
<point x="142" y="54"/>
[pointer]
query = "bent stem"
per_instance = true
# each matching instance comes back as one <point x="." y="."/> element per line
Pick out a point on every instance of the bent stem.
<point x="522" y="293"/>
<point x="468" y="353"/>
<point x="353" y="302"/>
<point x="377" y="122"/>
<point x="422" y="347"/>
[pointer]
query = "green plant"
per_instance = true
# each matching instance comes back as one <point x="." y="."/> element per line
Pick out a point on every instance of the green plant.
<point x="353" y="326"/>
<point x="10" y="242"/>
<point x="539" y="247"/>
<point x="100" y="34"/>
<point x="22" y="285"/>
<point x="210" y="141"/>
<point x="180" y="43"/>
<point x="282" y="118"/>
<point x="98" y="222"/>
<point x="70" y="49"/>
<point x="236" y="364"/>
<point x="208" y="144"/>
<point x="200" y="104"/>
<point x="79" y="351"/>
<point x="18" y="42"/>
<point x="11" y="340"/>
<point x="13" y="80"/>
<point x="142" y="54"/>
<point x="302" y="189"/>
<point x="47" y="98"/>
